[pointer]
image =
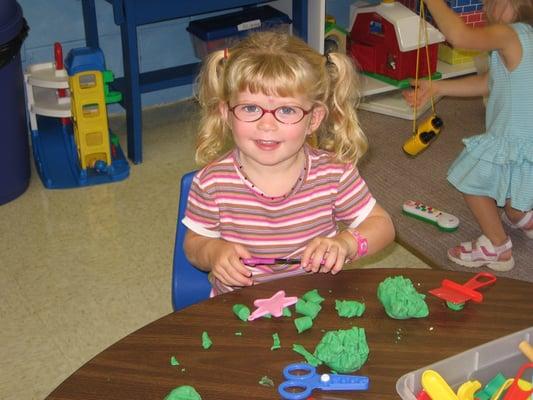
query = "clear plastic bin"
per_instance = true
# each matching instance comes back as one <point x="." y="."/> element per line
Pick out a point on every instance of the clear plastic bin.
<point x="480" y="363"/>
<point x="221" y="31"/>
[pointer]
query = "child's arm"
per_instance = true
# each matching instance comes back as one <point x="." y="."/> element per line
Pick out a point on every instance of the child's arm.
<point x="219" y="256"/>
<point x="377" y="229"/>
<point x="470" y="86"/>
<point x="500" y="37"/>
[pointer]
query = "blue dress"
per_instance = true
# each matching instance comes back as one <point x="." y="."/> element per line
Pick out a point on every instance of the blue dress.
<point x="499" y="163"/>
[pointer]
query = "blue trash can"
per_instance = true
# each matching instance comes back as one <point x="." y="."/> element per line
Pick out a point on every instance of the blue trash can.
<point x="14" y="140"/>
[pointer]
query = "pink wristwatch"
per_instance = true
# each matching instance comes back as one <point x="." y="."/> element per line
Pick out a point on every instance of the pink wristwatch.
<point x="362" y="243"/>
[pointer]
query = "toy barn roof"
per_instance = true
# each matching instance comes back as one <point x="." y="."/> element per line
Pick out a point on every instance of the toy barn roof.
<point x="405" y="24"/>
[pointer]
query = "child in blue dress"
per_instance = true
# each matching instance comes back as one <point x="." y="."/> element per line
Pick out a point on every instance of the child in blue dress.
<point x="496" y="168"/>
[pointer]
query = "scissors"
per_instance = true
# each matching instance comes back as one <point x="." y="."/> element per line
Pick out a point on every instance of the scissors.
<point x="302" y="379"/>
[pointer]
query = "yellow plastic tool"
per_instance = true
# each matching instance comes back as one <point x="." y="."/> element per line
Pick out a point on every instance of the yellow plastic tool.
<point x="436" y="387"/>
<point x="467" y="390"/>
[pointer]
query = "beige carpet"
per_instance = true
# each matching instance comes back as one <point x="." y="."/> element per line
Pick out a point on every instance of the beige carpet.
<point x="393" y="177"/>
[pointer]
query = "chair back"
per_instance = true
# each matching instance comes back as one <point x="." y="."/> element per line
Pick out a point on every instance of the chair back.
<point x="189" y="284"/>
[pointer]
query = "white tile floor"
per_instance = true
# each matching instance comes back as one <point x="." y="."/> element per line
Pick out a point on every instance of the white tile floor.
<point x="81" y="268"/>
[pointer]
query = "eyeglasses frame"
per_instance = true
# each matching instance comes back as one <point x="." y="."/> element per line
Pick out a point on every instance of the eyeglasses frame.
<point x="271" y="111"/>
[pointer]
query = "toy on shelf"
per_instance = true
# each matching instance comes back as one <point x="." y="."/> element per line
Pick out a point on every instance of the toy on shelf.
<point x="72" y="144"/>
<point x="444" y="221"/>
<point x="302" y="379"/>
<point x="456" y="295"/>
<point x="385" y="42"/>
<point x="334" y="37"/>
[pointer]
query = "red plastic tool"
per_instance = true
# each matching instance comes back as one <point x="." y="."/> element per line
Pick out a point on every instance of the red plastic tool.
<point x="515" y="392"/>
<point x="457" y="293"/>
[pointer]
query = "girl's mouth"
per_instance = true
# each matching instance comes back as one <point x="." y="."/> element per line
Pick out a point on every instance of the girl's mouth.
<point x="267" y="144"/>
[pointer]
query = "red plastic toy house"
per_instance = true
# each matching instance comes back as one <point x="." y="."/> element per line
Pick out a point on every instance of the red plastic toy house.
<point x="384" y="40"/>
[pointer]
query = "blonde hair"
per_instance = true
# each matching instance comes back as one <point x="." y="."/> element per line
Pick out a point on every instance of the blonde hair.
<point x="523" y="9"/>
<point x="279" y="64"/>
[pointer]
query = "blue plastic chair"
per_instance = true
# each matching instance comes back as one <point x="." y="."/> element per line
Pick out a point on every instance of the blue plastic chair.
<point x="189" y="284"/>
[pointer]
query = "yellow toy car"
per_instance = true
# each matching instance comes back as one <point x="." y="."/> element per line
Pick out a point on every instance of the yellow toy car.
<point x="424" y="135"/>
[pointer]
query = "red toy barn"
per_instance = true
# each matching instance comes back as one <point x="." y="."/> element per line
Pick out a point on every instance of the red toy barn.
<point x="384" y="40"/>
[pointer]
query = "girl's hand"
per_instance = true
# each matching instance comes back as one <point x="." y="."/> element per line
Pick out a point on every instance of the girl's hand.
<point x="324" y="254"/>
<point x="226" y="264"/>
<point x="424" y="93"/>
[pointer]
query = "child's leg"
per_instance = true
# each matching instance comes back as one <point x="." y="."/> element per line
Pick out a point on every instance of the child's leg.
<point x="518" y="219"/>
<point x="488" y="217"/>
<point x="493" y="248"/>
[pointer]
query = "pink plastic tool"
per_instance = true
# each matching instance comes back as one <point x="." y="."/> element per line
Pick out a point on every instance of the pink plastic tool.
<point x="515" y="392"/>
<point x="252" y="262"/>
<point x="457" y="293"/>
<point x="273" y="305"/>
<point x="269" y="261"/>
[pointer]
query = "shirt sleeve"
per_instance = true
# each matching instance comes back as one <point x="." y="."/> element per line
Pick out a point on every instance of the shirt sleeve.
<point x="202" y="213"/>
<point x="354" y="201"/>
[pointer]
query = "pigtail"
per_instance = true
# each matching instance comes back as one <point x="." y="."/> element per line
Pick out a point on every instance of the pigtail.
<point x="213" y="132"/>
<point x="342" y="133"/>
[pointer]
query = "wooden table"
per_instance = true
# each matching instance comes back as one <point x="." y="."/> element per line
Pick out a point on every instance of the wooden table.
<point x="138" y="366"/>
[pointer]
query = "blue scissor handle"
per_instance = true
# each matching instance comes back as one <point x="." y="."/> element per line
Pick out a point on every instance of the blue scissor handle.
<point x="300" y="386"/>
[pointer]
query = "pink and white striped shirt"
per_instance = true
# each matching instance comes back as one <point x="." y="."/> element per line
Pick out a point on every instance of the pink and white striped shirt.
<point x="224" y="204"/>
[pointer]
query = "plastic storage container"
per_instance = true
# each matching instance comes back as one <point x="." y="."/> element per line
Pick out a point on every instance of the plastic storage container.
<point x="14" y="141"/>
<point x="480" y="363"/>
<point x="221" y="31"/>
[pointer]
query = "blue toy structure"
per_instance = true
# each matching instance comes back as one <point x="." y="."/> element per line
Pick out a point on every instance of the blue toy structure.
<point x="72" y="145"/>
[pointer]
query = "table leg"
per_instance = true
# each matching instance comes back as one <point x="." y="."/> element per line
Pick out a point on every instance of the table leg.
<point x="89" y="23"/>
<point x="132" y="89"/>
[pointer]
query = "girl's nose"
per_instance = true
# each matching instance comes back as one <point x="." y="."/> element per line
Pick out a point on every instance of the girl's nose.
<point x="267" y="121"/>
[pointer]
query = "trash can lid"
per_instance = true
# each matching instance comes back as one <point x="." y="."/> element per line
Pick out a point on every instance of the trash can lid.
<point x="10" y="20"/>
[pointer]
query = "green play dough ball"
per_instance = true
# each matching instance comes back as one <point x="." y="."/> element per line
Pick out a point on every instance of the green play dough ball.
<point x="401" y="300"/>
<point x="344" y="351"/>
<point x="183" y="393"/>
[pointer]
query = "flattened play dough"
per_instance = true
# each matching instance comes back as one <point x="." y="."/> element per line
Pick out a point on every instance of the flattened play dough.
<point x="401" y="300"/>
<point x="349" y="308"/>
<point x="344" y="351"/>
<point x="183" y="393"/>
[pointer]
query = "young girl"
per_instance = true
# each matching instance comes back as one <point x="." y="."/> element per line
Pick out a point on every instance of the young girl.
<point x="496" y="168"/>
<point x="272" y="194"/>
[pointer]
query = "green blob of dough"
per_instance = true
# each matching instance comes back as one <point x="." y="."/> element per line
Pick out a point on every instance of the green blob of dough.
<point x="349" y="308"/>
<point x="241" y="311"/>
<point x="344" y="351"/>
<point x="308" y="308"/>
<point x="401" y="300"/>
<point x="206" y="341"/>
<point x="303" y="323"/>
<point x="313" y="296"/>
<point x="174" y="361"/>
<point x="309" y="357"/>
<point x="183" y="393"/>
<point x="287" y="312"/>
<point x="266" y="381"/>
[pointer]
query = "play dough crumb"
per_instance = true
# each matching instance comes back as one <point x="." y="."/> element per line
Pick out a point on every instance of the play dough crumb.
<point x="206" y="341"/>
<point x="313" y="296"/>
<point x="309" y="357"/>
<point x="349" y="308"/>
<point x="241" y="311"/>
<point x="266" y="381"/>
<point x="303" y="323"/>
<point x="276" y="342"/>
<point x="183" y="393"/>
<point x="173" y="361"/>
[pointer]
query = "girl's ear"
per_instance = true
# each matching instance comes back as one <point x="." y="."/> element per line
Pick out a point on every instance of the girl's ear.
<point x="224" y="110"/>
<point x="317" y="116"/>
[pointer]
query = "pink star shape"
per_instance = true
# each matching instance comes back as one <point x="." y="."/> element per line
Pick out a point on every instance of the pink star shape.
<point x="273" y="305"/>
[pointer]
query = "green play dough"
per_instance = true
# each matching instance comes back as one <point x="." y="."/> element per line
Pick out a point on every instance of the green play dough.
<point x="276" y="343"/>
<point x="344" y="351"/>
<point x="241" y="311"/>
<point x="309" y="357"/>
<point x="313" y="296"/>
<point x="349" y="308"/>
<point x="401" y="300"/>
<point x="206" y="341"/>
<point x="303" y="323"/>
<point x="308" y="308"/>
<point x="183" y="393"/>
